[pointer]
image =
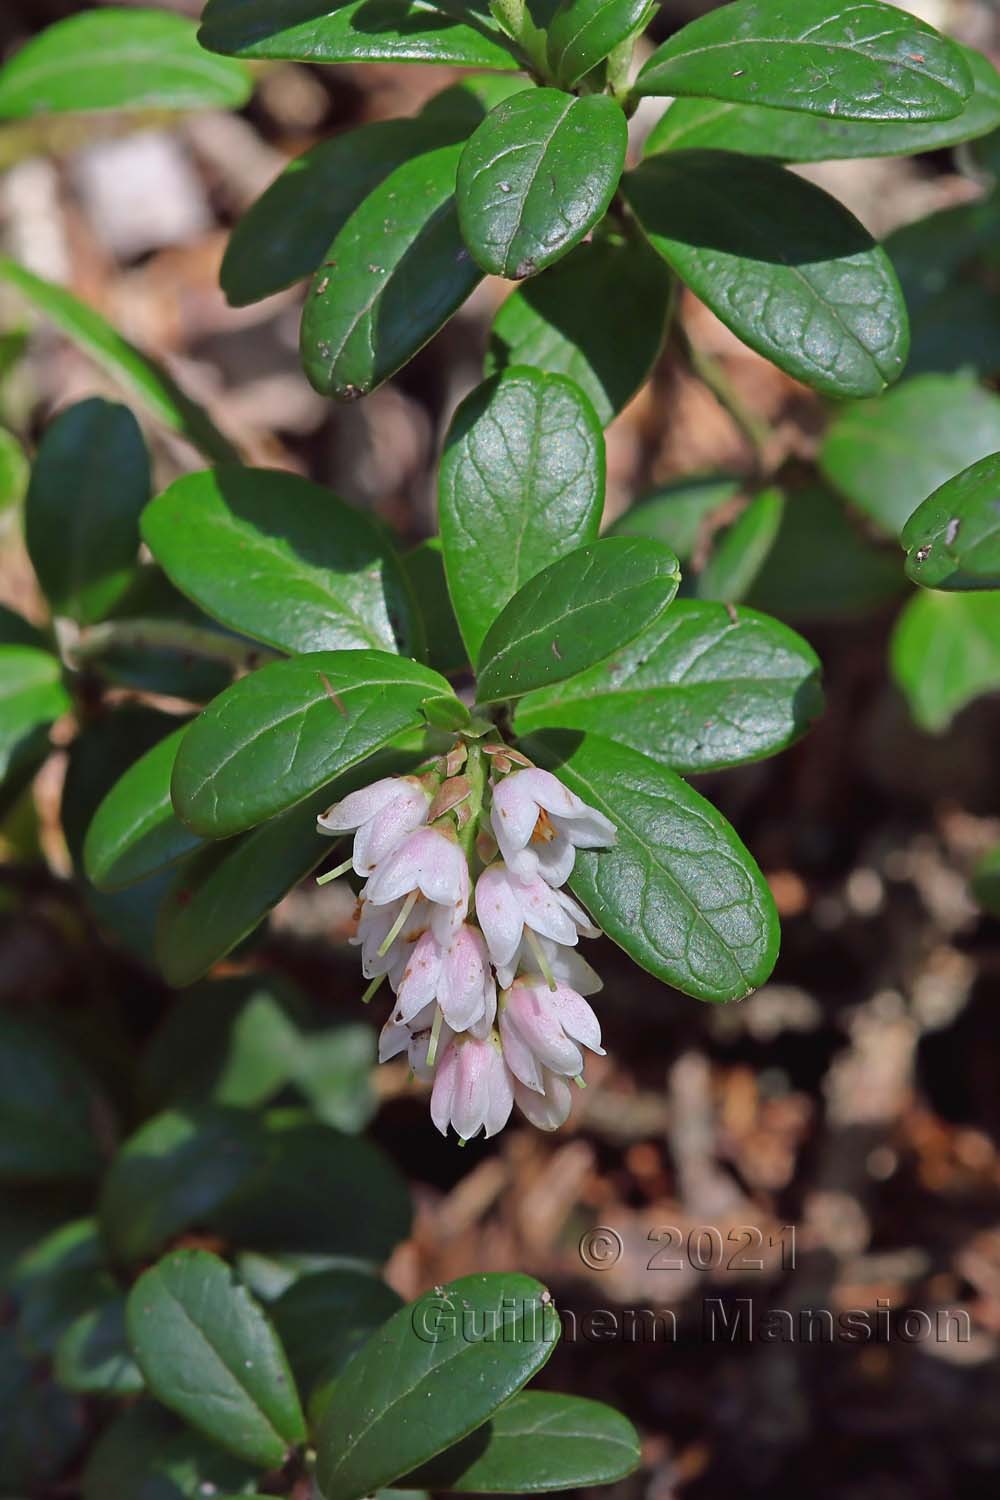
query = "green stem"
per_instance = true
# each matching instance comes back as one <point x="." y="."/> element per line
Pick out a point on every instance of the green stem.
<point x="710" y="372"/>
<point x="474" y="772"/>
<point x="96" y="641"/>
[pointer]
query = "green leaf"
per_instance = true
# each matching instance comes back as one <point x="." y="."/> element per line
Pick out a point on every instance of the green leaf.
<point x="549" y="321"/>
<point x="741" y="551"/>
<point x="89" y="483"/>
<point x="93" y="1357"/>
<point x="393" y="274"/>
<point x="14" y="470"/>
<point x="424" y="569"/>
<point x="319" y="1192"/>
<point x="147" y="381"/>
<point x="285" y="234"/>
<point x="791" y="135"/>
<point x="31" y="697"/>
<point x="281" y="559"/>
<point x="536" y="176"/>
<point x="431" y="1375"/>
<point x="119" y="59"/>
<point x="172" y="670"/>
<point x="679" y="514"/>
<point x="781" y="263"/>
<point x="521" y="484"/>
<point x="539" y="1441"/>
<point x="575" y="612"/>
<point x="49" y="1106"/>
<point x="678" y="891"/>
<point x="701" y="689"/>
<point x="135" y="830"/>
<point x="276" y="737"/>
<point x="56" y="1280"/>
<point x="945" y="651"/>
<point x="209" y="1354"/>
<point x="857" y="59"/>
<point x="986" y="882"/>
<point x="887" y="456"/>
<point x="822" y="566"/>
<point x="583" y="32"/>
<point x="174" y="1173"/>
<point x="323" y="1319"/>
<point x="348" y="31"/>
<point x="953" y="539"/>
<point x="146" y="1454"/>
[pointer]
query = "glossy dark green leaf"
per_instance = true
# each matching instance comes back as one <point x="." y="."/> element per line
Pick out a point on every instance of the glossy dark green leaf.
<point x="458" y="1354"/>
<point x="119" y="58"/>
<point x="953" y="539"/>
<point x="791" y="135"/>
<point x="536" y="176"/>
<point x="701" y="689"/>
<point x="945" y="651"/>
<point x="157" y="391"/>
<point x="681" y="513"/>
<point x="549" y="321"/>
<point x="93" y="1357"/>
<point x="324" y="1318"/>
<point x="347" y="31"/>
<point x="147" y="1454"/>
<point x="583" y="32"/>
<point x="887" y="456"/>
<point x="208" y="1352"/>
<point x="282" y="560"/>
<point x="174" y="1173"/>
<point x="392" y="275"/>
<point x="539" y="1441"/>
<point x="32" y="696"/>
<point x="739" y="553"/>
<point x="822" y="566"/>
<point x="276" y="737"/>
<point x="574" y="613"/>
<point x="135" y="831"/>
<point x="424" y="569"/>
<point x="986" y="882"/>
<point x="288" y="230"/>
<point x="50" y="1108"/>
<point x="319" y="1192"/>
<point x="781" y="263"/>
<point x="858" y="59"/>
<point x="89" y="483"/>
<point x="521" y="484"/>
<point x="54" y="1281"/>
<point x="678" y="891"/>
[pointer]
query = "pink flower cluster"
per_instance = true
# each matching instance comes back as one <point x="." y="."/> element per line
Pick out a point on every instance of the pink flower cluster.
<point x="488" y="981"/>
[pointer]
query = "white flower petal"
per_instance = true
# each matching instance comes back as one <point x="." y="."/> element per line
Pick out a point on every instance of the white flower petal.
<point x="520" y="1059"/>
<point x="499" y="912"/>
<point x="361" y="805"/>
<point x="549" y="1109"/>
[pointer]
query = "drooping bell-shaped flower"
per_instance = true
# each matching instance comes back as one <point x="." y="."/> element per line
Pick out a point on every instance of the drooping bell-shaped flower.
<point x="539" y="824"/>
<point x="414" y="1040"/>
<point x="505" y="906"/>
<point x="429" y="863"/>
<point x="567" y="965"/>
<point x="549" y="1108"/>
<point x="473" y="1090"/>
<point x="543" y="1028"/>
<point x="380" y="816"/>
<point x="456" y="974"/>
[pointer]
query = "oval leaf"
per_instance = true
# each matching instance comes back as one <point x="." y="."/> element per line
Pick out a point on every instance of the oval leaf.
<point x="147" y="1454"/>
<point x="93" y="1357"/>
<point x="135" y="831"/>
<point x="678" y="891"/>
<point x="323" y="1318"/>
<point x="521" y="484"/>
<point x="465" y="1347"/>
<point x="945" y="651"/>
<point x="781" y="263"/>
<point x="81" y="518"/>
<point x="119" y="59"/>
<point x="790" y="135"/>
<point x="393" y="274"/>
<point x="539" y="1441"/>
<point x="148" y="381"/>
<point x="574" y="613"/>
<point x="858" y="59"/>
<point x="344" y="31"/>
<point x="536" y="176"/>
<point x="32" y="696"/>
<point x="209" y="1354"/>
<point x="583" y="32"/>
<point x="280" y="559"/>
<point x="278" y="736"/>
<point x="681" y="514"/>
<point x="701" y="689"/>
<point x="953" y="539"/>
<point x="739" y="553"/>
<point x="549" y="321"/>
<point x="49" y="1106"/>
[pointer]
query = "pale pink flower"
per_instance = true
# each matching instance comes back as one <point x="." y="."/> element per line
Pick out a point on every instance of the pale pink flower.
<point x="542" y="1028"/>
<point x="539" y="824"/>
<point x="375" y="925"/>
<point x="565" y="964"/>
<point x="383" y="814"/>
<point x="456" y="974"/>
<point x="428" y="862"/>
<point x="549" y="1108"/>
<point x="506" y="905"/>
<point x="414" y="1040"/>
<point x="473" y="1090"/>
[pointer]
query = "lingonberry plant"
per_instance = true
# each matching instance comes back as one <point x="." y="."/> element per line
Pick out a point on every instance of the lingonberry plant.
<point x="503" y="718"/>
